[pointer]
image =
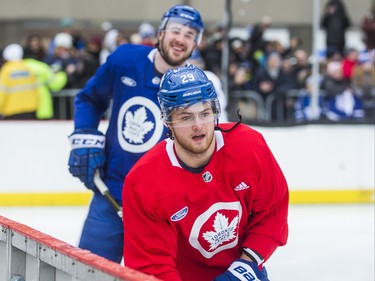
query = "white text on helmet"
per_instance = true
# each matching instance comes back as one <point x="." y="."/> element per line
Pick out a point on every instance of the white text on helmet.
<point x="192" y="93"/>
<point x="187" y="16"/>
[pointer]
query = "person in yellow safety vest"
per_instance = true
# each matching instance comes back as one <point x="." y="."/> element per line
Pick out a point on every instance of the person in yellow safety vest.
<point x="19" y="94"/>
<point x="48" y="81"/>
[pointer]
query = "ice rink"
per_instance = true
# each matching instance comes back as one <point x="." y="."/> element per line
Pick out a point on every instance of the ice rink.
<point x="326" y="242"/>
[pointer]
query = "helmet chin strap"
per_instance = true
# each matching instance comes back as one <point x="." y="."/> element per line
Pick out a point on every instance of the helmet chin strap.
<point x="170" y="135"/>
<point x="234" y="126"/>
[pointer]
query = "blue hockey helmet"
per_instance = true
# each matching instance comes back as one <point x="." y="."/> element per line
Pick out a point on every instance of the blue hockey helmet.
<point x="185" y="15"/>
<point x="184" y="87"/>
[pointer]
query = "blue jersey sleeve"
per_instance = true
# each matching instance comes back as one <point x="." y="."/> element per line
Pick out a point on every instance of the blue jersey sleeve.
<point x="93" y="100"/>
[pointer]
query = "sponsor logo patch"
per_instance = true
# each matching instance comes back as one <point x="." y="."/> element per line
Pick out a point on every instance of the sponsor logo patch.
<point x="128" y="81"/>
<point x="155" y="80"/>
<point x="180" y="214"/>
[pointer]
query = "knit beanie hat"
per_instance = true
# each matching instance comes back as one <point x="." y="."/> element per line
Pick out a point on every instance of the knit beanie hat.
<point x="13" y="52"/>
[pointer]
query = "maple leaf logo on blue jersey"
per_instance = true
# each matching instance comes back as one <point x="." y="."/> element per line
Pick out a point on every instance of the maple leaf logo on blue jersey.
<point x="136" y="126"/>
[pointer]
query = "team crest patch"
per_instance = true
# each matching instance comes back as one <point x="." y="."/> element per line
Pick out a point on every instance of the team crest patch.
<point x="136" y="126"/>
<point x="216" y="229"/>
<point x="224" y="231"/>
<point x="207" y="177"/>
<point x="139" y="125"/>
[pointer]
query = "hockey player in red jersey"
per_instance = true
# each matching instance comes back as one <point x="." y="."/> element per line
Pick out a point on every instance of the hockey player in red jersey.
<point x="210" y="202"/>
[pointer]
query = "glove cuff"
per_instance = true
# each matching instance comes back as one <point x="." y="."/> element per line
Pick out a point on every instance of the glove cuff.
<point x="80" y="139"/>
<point x="257" y="258"/>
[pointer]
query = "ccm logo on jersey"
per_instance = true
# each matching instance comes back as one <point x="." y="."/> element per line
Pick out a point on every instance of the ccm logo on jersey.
<point x="128" y="81"/>
<point x="180" y="214"/>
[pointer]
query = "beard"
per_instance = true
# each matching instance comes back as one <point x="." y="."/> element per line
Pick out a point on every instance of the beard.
<point x="163" y="50"/>
<point x="189" y="147"/>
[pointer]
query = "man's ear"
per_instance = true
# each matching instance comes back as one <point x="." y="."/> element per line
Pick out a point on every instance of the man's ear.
<point x="159" y="34"/>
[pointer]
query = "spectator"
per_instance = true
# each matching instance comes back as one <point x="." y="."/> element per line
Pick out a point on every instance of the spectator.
<point x="197" y="60"/>
<point x="2" y="60"/>
<point x="241" y="75"/>
<point x="301" y="68"/>
<point x="19" y="94"/>
<point x="112" y="39"/>
<point x="304" y="108"/>
<point x="256" y="42"/>
<point x="349" y="61"/>
<point x="213" y="56"/>
<point x="211" y="202"/>
<point x="335" y="21"/>
<point x="287" y="66"/>
<point x="341" y="100"/>
<point x="94" y="46"/>
<point x="64" y="58"/>
<point x="48" y="81"/>
<point x="147" y="34"/>
<point x="238" y="52"/>
<point x="34" y="47"/>
<point x="110" y="44"/>
<point x="272" y="82"/>
<point x="294" y="45"/>
<point x="88" y="62"/>
<point x="363" y="81"/>
<point x="122" y="39"/>
<point x="368" y="28"/>
<point x="129" y="79"/>
<point x="203" y="48"/>
<point x="67" y="26"/>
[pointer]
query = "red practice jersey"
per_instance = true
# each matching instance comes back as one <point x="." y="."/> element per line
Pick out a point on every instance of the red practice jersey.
<point x="181" y="225"/>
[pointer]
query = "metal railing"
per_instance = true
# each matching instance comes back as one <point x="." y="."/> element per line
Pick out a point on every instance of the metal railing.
<point x="63" y="102"/>
<point x="263" y="113"/>
<point x="276" y="108"/>
<point x="27" y="254"/>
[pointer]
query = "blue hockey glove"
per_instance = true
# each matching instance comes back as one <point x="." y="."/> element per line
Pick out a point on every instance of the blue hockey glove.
<point x="242" y="270"/>
<point x="87" y="155"/>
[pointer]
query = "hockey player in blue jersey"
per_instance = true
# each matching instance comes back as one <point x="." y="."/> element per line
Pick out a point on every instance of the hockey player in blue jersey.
<point x="130" y="78"/>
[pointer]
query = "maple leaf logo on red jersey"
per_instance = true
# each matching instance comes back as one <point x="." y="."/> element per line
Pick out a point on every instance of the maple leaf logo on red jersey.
<point x="224" y="231"/>
<point x="216" y="229"/>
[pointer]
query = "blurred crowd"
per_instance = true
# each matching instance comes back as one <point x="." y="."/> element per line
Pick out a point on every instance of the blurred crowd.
<point x="279" y="77"/>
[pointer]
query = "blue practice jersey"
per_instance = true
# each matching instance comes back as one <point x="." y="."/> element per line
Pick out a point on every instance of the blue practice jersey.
<point x="128" y="78"/>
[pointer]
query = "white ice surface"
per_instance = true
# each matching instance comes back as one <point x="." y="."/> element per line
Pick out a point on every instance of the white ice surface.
<point x="326" y="242"/>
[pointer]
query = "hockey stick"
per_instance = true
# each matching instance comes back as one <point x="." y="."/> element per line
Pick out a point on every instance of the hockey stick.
<point x="105" y="192"/>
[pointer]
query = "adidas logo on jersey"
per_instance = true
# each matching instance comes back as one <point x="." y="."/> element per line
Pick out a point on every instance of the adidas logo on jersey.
<point x="241" y="186"/>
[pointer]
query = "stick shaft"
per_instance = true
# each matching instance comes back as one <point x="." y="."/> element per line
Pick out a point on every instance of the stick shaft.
<point x="105" y="192"/>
